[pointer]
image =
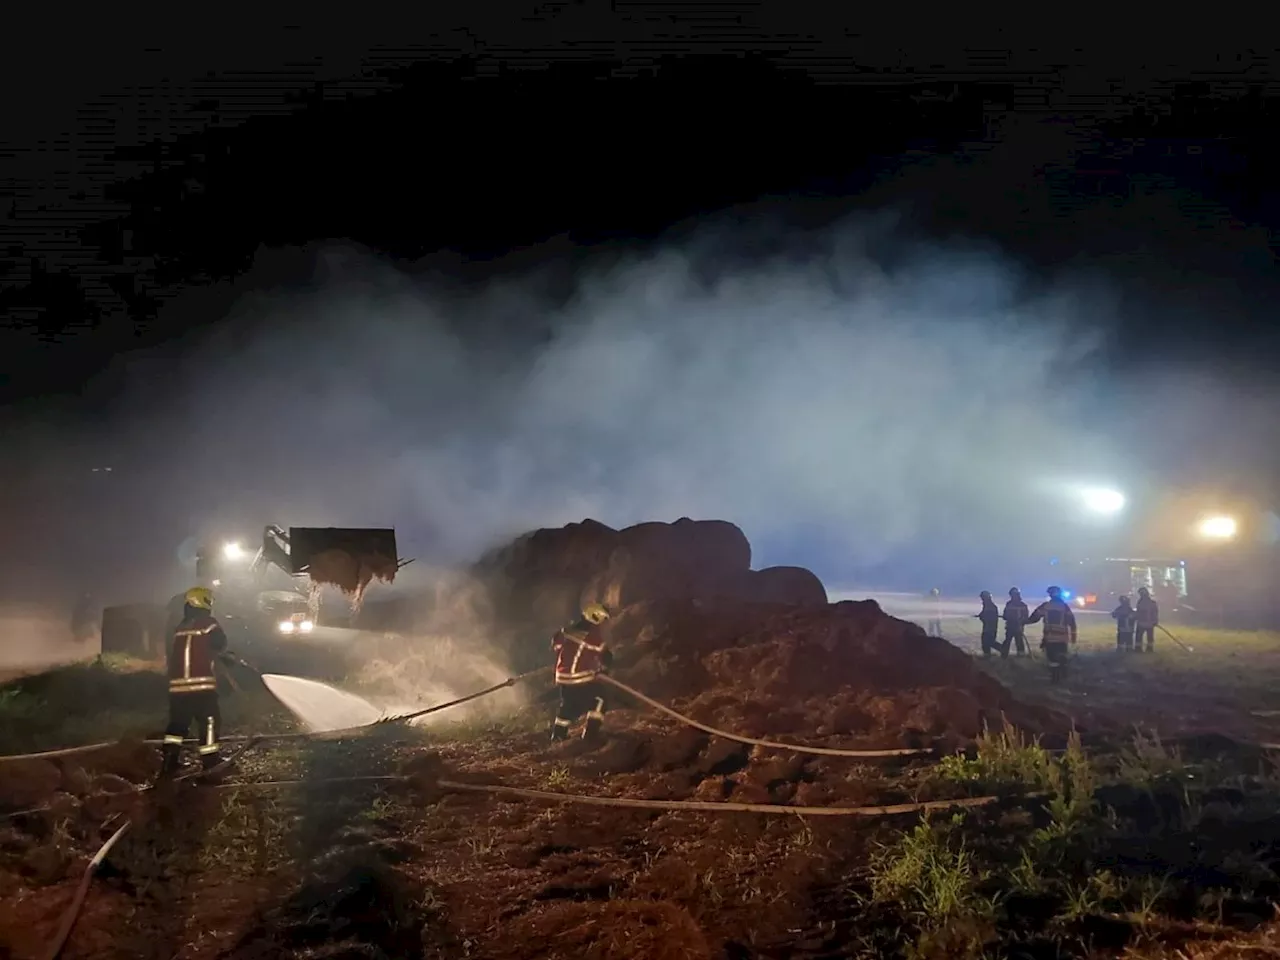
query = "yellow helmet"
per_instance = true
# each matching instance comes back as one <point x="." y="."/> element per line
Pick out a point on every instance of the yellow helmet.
<point x="595" y="613"/>
<point x="199" y="597"/>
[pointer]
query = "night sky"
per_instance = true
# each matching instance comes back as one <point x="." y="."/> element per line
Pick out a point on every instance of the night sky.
<point x="879" y="301"/>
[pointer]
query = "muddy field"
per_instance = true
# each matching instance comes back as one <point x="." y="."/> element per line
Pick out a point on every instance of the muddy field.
<point x="1129" y="843"/>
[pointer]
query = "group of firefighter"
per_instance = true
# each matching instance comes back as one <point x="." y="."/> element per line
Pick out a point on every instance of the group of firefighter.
<point x="1134" y="624"/>
<point x="581" y="657"/>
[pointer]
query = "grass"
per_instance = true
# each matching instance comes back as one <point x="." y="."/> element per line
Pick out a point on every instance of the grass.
<point x="1133" y="849"/>
<point x="1110" y="851"/>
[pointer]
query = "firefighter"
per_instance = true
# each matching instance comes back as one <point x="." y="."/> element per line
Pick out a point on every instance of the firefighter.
<point x="1059" y="631"/>
<point x="935" y="620"/>
<point x="1015" y="623"/>
<point x="1126" y="620"/>
<point x="1148" y="618"/>
<point x="580" y="657"/>
<point x="193" y="686"/>
<point x="989" y="616"/>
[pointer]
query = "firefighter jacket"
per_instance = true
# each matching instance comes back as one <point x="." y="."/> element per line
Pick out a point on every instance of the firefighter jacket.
<point x="1126" y="618"/>
<point x="990" y="616"/>
<point x="1059" y="621"/>
<point x="580" y="653"/>
<point x="196" y="644"/>
<point x="1148" y="613"/>
<point x="1016" y="613"/>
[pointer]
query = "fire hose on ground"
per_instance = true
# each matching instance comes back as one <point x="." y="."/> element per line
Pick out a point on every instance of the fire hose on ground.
<point x="451" y="786"/>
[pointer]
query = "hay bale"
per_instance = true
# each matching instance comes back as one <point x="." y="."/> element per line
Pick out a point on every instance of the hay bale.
<point x="794" y="585"/>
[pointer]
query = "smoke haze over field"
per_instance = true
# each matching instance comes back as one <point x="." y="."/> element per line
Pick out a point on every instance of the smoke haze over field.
<point x="870" y="406"/>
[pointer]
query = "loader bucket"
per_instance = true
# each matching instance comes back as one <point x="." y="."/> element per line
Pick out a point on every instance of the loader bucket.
<point x="347" y="558"/>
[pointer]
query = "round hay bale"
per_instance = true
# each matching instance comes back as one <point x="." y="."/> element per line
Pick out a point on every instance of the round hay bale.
<point x="792" y="585"/>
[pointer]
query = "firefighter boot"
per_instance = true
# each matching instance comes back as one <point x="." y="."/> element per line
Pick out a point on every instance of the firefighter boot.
<point x="595" y="720"/>
<point x="559" y="729"/>
<point x="210" y="761"/>
<point x="172" y="754"/>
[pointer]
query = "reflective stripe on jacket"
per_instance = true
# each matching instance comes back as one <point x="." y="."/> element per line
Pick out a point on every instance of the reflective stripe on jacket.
<point x="579" y="652"/>
<point x="1016" y="613"/>
<point x="1059" y="621"/>
<point x="196" y="644"/>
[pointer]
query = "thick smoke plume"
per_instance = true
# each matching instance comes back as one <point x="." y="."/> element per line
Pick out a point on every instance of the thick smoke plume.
<point x="879" y="409"/>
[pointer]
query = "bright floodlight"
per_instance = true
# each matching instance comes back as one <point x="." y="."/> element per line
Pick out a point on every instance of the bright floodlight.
<point x="1102" y="500"/>
<point x="232" y="551"/>
<point x="1218" y="528"/>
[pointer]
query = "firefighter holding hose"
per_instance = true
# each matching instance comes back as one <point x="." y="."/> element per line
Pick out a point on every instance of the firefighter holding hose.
<point x="1059" y="630"/>
<point x="193" y="685"/>
<point x="580" y="657"/>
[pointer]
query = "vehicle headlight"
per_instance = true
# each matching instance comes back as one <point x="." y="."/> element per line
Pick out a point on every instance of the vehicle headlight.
<point x="286" y="626"/>
<point x="306" y="626"/>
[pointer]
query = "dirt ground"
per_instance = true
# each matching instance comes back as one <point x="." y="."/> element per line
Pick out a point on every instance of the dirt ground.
<point x="1141" y="850"/>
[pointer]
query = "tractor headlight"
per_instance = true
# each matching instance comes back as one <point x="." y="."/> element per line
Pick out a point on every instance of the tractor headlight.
<point x="306" y="626"/>
<point x="286" y="626"/>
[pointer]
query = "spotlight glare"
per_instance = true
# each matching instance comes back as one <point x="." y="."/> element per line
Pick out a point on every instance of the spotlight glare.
<point x="1218" y="528"/>
<point x="1102" y="500"/>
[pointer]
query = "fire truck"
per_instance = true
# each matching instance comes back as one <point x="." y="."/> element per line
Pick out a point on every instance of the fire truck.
<point x="1089" y="584"/>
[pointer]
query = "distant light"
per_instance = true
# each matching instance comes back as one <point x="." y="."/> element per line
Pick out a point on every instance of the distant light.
<point x="217" y="583"/>
<point x="1102" y="500"/>
<point x="1218" y="528"/>
<point x="306" y="626"/>
<point x="232" y="550"/>
<point x="286" y="626"/>
<point x="1080" y="602"/>
<point x="1066" y="594"/>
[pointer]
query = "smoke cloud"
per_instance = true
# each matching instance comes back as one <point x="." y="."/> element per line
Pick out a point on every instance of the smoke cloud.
<point x="880" y="408"/>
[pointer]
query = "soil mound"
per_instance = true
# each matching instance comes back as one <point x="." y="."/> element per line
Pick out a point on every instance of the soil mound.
<point x="845" y="669"/>
<point x="759" y="653"/>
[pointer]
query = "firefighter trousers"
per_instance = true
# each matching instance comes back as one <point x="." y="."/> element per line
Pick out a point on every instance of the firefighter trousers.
<point x="1014" y="635"/>
<point x="1150" y="633"/>
<point x="199" y="708"/>
<point x="989" y="645"/>
<point x="1124" y="639"/>
<point x="577" y="699"/>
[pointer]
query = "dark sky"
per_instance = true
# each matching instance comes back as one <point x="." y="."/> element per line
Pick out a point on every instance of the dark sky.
<point x="873" y="296"/>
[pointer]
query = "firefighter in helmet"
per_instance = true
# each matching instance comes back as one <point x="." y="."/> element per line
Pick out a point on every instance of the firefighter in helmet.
<point x="193" y="685"/>
<point x="1015" y="620"/>
<point x="580" y="657"/>
<point x="1126" y="619"/>
<point x="989" y="617"/>
<point x="1059" y="630"/>
<point x="1148" y="618"/>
